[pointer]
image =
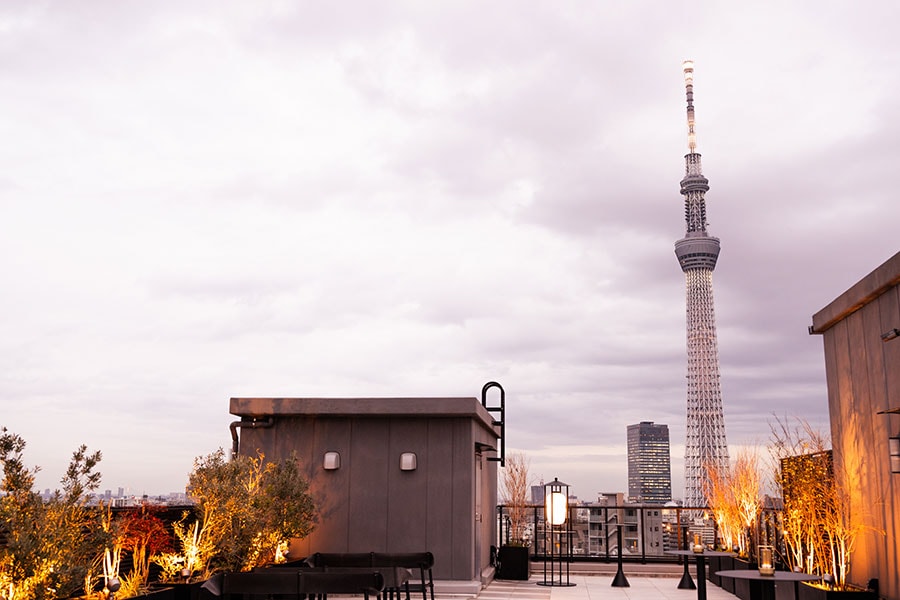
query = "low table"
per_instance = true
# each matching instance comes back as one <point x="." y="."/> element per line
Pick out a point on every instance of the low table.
<point x="700" y="559"/>
<point x="763" y="587"/>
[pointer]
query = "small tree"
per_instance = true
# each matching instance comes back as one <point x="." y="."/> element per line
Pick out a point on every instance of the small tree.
<point x="721" y="500"/>
<point x="747" y="494"/>
<point x="50" y="545"/>
<point x="822" y="518"/>
<point x="248" y="508"/>
<point x="734" y="498"/>
<point x="515" y="484"/>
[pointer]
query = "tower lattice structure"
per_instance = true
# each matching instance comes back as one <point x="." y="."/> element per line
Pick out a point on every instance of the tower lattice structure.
<point x="697" y="253"/>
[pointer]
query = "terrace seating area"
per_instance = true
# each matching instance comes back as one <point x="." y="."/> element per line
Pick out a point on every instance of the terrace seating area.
<point x="420" y="563"/>
<point x="291" y="583"/>
<point x="389" y="576"/>
<point x="346" y="579"/>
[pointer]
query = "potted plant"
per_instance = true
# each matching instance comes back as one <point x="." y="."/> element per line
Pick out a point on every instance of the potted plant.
<point x="513" y="555"/>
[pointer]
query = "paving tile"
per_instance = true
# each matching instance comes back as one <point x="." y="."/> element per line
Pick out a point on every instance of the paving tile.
<point x="598" y="587"/>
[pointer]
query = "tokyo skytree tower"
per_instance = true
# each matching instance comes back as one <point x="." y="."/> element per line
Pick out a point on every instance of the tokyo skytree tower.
<point x="697" y="252"/>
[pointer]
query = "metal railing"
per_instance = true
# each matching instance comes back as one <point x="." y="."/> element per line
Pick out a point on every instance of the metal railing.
<point x="649" y="531"/>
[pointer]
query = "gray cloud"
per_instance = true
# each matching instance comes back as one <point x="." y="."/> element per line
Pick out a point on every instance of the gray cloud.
<point x="224" y="199"/>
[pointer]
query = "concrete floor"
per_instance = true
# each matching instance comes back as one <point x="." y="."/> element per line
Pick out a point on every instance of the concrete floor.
<point x="598" y="587"/>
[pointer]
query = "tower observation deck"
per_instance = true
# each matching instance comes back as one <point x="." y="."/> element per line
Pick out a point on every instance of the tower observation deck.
<point x="697" y="253"/>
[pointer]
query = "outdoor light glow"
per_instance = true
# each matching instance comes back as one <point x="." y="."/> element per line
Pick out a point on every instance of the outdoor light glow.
<point x="555" y="507"/>
<point x="766" y="564"/>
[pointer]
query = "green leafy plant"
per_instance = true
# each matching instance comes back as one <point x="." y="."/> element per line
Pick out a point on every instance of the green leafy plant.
<point x="248" y="508"/>
<point x="50" y="545"/>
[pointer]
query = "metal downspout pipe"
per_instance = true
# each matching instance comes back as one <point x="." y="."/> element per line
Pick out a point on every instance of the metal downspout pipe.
<point x="252" y="424"/>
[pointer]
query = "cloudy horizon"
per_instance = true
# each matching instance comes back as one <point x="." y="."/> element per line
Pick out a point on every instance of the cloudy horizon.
<point x="227" y="199"/>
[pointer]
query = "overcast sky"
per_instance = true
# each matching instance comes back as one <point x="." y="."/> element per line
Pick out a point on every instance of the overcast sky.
<point x="203" y="200"/>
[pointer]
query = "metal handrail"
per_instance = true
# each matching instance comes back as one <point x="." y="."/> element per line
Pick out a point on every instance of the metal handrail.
<point x="641" y="521"/>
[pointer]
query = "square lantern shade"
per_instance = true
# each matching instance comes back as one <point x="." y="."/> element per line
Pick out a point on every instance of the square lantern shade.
<point x="556" y="502"/>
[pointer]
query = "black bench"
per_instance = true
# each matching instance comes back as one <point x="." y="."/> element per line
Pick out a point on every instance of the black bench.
<point x="421" y="562"/>
<point x="295" y="584"/>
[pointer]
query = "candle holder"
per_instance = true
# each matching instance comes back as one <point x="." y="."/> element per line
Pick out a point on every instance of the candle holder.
<point x="698" y="545"/>
<point x="766" y="563"/>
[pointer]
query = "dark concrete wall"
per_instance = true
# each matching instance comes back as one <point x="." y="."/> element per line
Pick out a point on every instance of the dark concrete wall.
<point x="369" y="504"/>
<point x="863" y="374"/>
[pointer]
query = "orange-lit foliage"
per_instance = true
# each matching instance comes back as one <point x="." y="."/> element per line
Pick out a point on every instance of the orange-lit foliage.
<point x="806" y="482"/>
<point x="49" y="544"/>
<point x="733" y="497"/>
<point x="721" y="501"/>
<point x="822" y="518"/>
<point x="248" y="509"/>
<point x="747" y="493"/>
<point x="803" y="468"/>
<point x="141" y="533"/>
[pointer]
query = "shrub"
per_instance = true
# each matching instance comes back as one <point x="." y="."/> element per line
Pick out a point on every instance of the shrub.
<point x="50" y="545"/>
<point x="248" y="508"/>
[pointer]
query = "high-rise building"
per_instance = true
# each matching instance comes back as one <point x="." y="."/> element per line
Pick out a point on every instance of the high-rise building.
<point x="697" y="254"/>
<point x="649" y="463"/>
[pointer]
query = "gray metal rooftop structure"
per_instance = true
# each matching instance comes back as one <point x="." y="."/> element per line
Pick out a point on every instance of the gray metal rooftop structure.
<point x="697" y="254"/>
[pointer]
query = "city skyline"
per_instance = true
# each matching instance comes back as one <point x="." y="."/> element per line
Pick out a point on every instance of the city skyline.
<point x="216" y="200"/>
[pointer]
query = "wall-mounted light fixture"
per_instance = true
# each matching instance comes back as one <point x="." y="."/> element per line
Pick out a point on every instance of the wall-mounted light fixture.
<point x="894" y="452"/>
<point x="332" y="461"/>
<point x="893" y="441"/>
<point x="408" y="461"/>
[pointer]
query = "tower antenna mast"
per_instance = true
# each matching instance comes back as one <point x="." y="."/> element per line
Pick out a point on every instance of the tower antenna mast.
<point x="706" y="447"/>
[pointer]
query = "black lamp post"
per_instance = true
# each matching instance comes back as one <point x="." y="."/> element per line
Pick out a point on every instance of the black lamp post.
<point x="557" y="534"/>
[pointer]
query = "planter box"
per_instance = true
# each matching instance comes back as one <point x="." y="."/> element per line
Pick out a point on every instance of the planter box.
<point x="713" y="565"/>
<point x="810" y="592"/>
<point x="514" y="562"/>
<point x="743" y="588"/>
<point x="157" y="593"/>
<point x="187" y="591"/>
<point x="184" y="591"/>
<point x="729" y="563"/>
<point x="720" y="563"/>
